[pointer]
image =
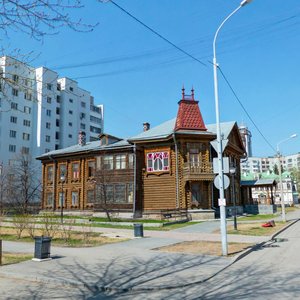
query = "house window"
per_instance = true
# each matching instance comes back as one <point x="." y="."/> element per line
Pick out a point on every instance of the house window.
<point x="62" y="171"/>
<point x="130" y="161"/>
<point x="158" y="161"/>
<point x="75" y="170"/>
<point x="13" y="119"/>
<point x="90" y="197"/>
<point x="14" y="105"/>
<point x="50" y="199"/>
<point x="75" y="198"/>
<point x="108" y="193"/>
<point x="50" y="173"/>
<point x="12" y="133"/>
<point x="15" y="92"/>
<point x="120" y="193"/>
<point x="129" y="192"/>
<point x="61" y="196"/>
<point x="108" y="162"/>
<point x="12" y="148"/>
<point x="91" y="169"/>
<point x="121" y="161"/>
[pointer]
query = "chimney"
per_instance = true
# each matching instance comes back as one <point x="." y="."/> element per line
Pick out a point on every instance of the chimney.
<point x="81" y="138"/>
<point x="146" y="126"/>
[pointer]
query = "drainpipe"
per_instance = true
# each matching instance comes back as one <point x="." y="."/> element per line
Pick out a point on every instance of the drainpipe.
<point x="212" y="186"/>
<point x="134" y="181"/>
<point x="54" y="182"/>
<point x="177" y="175"/>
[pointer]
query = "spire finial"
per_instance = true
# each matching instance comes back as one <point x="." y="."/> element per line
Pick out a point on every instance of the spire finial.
<point x="192" y="90"/>
<point x="183" y="93"/>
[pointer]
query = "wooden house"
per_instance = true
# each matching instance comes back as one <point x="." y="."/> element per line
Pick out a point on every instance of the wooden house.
<point x="165" y="168"/>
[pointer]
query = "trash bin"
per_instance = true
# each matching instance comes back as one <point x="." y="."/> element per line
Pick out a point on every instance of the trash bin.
<point x="42" y="247"/>
<point x="138" y="230"/>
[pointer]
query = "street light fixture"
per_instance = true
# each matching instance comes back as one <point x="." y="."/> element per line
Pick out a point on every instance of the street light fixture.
<point x="219" y="140"/>
<point x="283" y="215"/>
<point x="232" y="171"/>
<point x="62" y="179"/>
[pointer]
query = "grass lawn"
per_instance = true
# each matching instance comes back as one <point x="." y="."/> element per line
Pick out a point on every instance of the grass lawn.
<point x="65" y="238"/>
<point x="14" y="258"/>
<point x="258" y="217"/>
<point x="205" y="248"/>
<point x="255" y="229"/>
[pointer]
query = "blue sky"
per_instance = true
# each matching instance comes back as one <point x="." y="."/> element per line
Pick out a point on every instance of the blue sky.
<point x="138" y="77"/>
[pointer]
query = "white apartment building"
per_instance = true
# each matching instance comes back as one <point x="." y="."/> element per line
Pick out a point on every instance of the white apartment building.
<point x="40" y="112"/>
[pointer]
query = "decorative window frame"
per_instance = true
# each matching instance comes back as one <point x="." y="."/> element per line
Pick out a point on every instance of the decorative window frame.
<point x="158" y="161"/>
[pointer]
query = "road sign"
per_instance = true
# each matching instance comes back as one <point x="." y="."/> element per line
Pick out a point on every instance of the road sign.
<point x="225" y="165"/>
<point x="217" y="182"/>
<point x="214" y="144"/>
<point x="222" y="202"/>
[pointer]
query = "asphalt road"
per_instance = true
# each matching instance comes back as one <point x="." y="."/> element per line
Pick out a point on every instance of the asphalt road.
<point x="270" y="272"/>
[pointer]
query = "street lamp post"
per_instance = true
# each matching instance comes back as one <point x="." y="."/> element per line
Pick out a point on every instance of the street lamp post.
<point x="62" y="179"/>
<point x="283" y="215"/>
<point x="219" y="140"/>
<point x="232" y="171"/>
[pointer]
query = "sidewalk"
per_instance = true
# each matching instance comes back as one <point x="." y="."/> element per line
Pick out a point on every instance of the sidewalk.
<point x="132" y="264"/>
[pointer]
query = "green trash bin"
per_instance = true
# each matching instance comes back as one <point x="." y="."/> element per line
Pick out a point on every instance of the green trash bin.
<point x="42" y="247"/>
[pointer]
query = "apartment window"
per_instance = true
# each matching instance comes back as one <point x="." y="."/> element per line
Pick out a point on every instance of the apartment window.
<point x="57" y="110"/>
<point x="56" y="147"/>
<point x="95" y="120"/>
<point x="75" y="198"/>
<point x="75" y="170"/>
<point x="26" y="81"/>
<point x="12" y="148"/>
<point x="70" y="136"/>
<point x="108" y="162"/>
<point x="95" y="129"/>
<point x="48" y="125"/>
<point x="49" y="86"/>
<point x="50" y="199"/>
<point x="57" y="122"/>
<point x="15" y="92"/>
<point x="13" y="119"/>
<point x="49" y="100"/>
<point x="48" y="112"/>
<point x="58" y="99"/>
<point x="57" y="135"/>
<point x="27" y="110"/>
<point x="26" y="123"/>
<point x="83" y="104"/>
<point x="12" y="133"/>
<point x="71" y="100"/>
<point x="71" y="88"/>
<point x="91" y="169"/>
<point x="14" y="105"/>
<point x="58" y="87"/>
<point x="158" y="161"/>
<point x="15" y="78"/>
<point x="47" y="150"/>
<point x="28" y="96"/>
<point x="0" y="102"/>
<point x="25" y="150"/>
<point x="121" y="161"/>
<point x="71" y="112"/>
<point x="82" y="115"/>
<point x="26" y="136"/>
<point x="70" y="124"/>
<point x="47" y="138"/>
<point x="82" y="126"/>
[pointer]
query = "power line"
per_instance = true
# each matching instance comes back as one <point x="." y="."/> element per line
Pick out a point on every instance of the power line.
<point x="244" y="109"/>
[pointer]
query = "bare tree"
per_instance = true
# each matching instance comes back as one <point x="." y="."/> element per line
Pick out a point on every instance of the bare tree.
<point x="22" y="185"/>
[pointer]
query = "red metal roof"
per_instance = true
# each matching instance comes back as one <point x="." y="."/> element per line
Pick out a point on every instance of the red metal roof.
<point x="189" y="116"/>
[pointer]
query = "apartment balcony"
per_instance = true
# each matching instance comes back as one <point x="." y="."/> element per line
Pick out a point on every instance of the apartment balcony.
<point x="198" y="171"/>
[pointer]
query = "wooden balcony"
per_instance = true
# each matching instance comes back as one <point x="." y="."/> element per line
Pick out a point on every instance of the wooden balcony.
<point x="198" y="171"/>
